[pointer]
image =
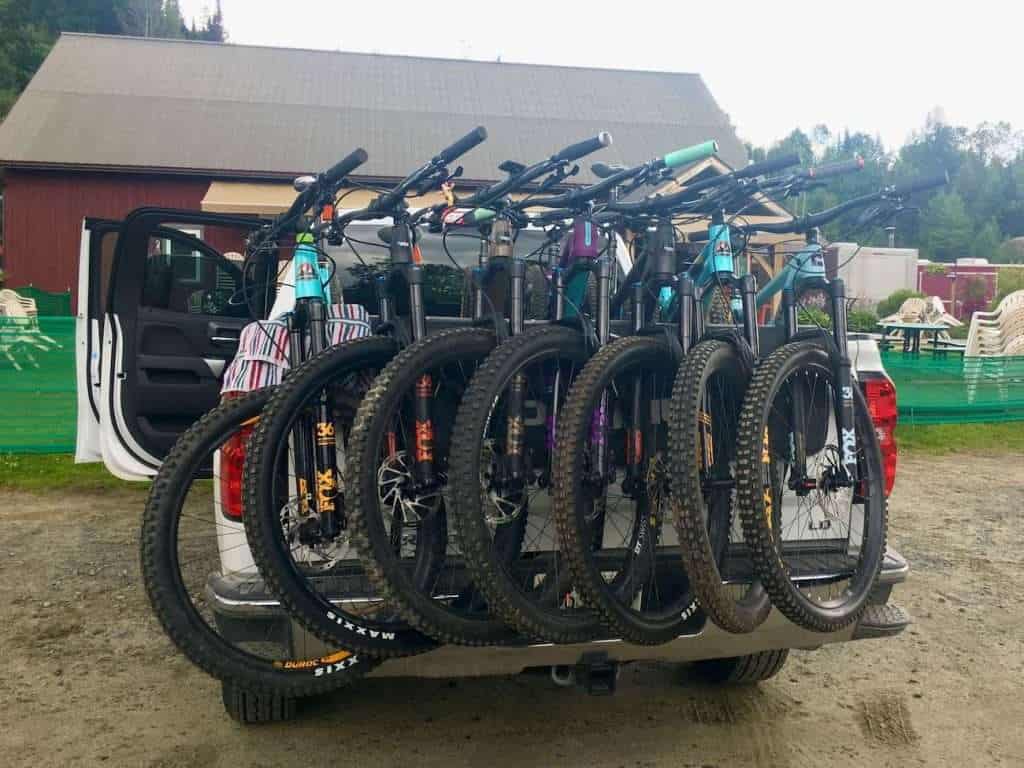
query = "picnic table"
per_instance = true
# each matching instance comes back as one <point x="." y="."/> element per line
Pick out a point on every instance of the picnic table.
<point x="912" y="336"/>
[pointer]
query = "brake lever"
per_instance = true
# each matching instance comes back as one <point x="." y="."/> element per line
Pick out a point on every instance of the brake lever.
<point x="879" y="214"/>
<point x="557" y="176"/>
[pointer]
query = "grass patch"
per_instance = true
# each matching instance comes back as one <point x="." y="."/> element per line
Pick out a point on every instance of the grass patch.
<point x="57" y="472"/>
<point x="937" y="439"/>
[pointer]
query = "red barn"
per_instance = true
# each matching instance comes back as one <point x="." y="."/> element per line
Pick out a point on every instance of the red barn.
<point x="109" y="124"/>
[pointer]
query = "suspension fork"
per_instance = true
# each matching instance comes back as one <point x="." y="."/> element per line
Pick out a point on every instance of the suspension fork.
<point x="844" y="379"/>
<point x="302" y="431"/>
<point x="634" y="431"/>
<point x="332" y="520"/>
<point x="599" y="430"/>
<point x="423" y="393"/>
<point x="600" y="422"/>
<point x="798" y="445"/>
<point x="515" y="431"/>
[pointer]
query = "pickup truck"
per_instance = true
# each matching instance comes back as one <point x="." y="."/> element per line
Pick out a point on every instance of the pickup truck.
<point x="156" y="327"/>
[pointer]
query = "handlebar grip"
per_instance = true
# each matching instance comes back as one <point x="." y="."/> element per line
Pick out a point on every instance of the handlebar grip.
<point x="929" y="182"/>
<point x="583" y="148"/>
<point x="691" y="154"/>
<point x="835" y="169"/>
<point x="477" y="136"/>
<point x="478" y="216"/>
<point x="768" y="166"/>
<point x="346" y="166"/>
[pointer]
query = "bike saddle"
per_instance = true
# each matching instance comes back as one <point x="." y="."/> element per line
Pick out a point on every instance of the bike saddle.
<point x="511" y="167"/>
<point x="604" y="170"/>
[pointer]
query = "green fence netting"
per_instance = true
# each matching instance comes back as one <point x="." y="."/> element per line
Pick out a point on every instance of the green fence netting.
<point x="38" y="403"/>
<point x="37" y="385"/>
<point x="937" y="390"/>
<point x="47" y="303"/>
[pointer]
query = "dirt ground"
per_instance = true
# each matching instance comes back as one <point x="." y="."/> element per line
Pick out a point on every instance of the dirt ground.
<point x="89" y="679"/>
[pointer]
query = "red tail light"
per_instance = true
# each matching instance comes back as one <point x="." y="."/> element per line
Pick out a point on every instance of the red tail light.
<point x="881" y="396"/>
<point x="232" y="459"/>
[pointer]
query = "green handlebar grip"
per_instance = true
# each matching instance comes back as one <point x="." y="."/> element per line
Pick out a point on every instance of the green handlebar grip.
<point x="479" y="216"/>
<point x="690" y="154"/>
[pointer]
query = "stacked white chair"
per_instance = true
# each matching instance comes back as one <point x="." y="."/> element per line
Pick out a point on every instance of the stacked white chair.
<point x="996" y="334"/>
<point x="19" y="329"/>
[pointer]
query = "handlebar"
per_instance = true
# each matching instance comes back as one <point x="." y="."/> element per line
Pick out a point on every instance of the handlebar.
<point x="765" y="167"/>
<point x="833" y="169"/>
<point x="616" y="176"/>
<point x="928" y="182"/>
<point x="496" y="191"/>
<point x="386" y="203"/>
<point x="472" y="139"/>
<point x="345" y="166"/>
<point x="810" y="221"/>
<point x="583" y="148"/>
<point x="331" y="178"/>
<point x="689" y="155"/>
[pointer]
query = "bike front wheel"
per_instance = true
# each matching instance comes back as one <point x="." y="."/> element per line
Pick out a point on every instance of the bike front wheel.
<point x="704" y="418"/>
<point x="611" y="491"/>
<point x="816" y="536"/>
<point x="321" y="580"/>
<point x="195" y="560"/>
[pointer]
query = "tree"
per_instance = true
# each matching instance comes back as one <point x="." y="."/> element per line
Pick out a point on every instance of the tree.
<point x="215" y="26"/>
<point x="948" y="233"/>
<point x="30" y="27"/>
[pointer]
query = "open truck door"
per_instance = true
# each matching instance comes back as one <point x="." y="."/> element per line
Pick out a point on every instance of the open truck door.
<point x="160" y="310"/>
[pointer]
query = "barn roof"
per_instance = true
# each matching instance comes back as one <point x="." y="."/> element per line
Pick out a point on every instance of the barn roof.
<point x="177" y="106"/>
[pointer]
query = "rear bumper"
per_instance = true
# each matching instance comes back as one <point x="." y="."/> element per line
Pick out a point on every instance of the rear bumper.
<point x="244" y="610"/>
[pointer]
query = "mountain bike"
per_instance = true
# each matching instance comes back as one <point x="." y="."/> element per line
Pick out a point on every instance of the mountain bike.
<point x="809" y="477"/>
<point x="191" y="534"/>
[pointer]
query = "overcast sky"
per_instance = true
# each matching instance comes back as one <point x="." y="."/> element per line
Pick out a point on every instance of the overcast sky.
<point x="867" y="65"/>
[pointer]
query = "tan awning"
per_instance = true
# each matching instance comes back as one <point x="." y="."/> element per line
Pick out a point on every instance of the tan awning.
<point x="271" y="199"/>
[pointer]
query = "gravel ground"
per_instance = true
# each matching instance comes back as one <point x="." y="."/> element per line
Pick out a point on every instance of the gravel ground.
<point x="88" y="678"/>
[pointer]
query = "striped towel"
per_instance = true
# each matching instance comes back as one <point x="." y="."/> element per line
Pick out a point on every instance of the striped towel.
<point x="262" y="357"/>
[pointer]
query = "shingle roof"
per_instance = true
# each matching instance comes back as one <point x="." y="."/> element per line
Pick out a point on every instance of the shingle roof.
<point x="133" y="102"/>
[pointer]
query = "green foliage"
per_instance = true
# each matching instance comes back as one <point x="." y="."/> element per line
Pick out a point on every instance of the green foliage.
<point x="947" y="228"/>
<point x="814" y="316"/>
<point x="1010" y="279"/>
<point x="977" y="215"/>
<point x="891" y="304"/>
<point x="936" y="269"/>
<point x="862" y="320"/>
<point x="30" y="28"/>
<point x="974" y="289"/>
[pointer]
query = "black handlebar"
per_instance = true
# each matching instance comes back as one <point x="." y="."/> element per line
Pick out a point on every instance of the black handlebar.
<point x="768" y="166"/>
<point x="462" y="146"/>
<point x="928" y="182"/>
<point x="579" y="196"/>
<point x="519" y="180"/>
<point x="583" y="148"/>
<point x="805" y="223"/>
<point x="345" y="166"/>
